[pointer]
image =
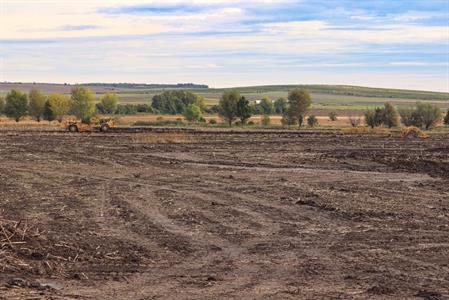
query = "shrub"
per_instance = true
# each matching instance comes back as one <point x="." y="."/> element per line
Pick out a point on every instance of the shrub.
<point x="312" y="121"/>
<point x="446" y="118"/>
<point x="266" y="106"/>
<point x="126" y="109"/>
<point x="109" y="103"/>
<point x="409" y="117"/>
<point x="144" y="108"/>
<point x="193" y="113"/>
<point x="2" y="105"/>
<point x="424" y="115"/>
<point x="212" y="121"/>
<point x="265" y="121"/>
<point x="374" y="118"/>
<point x="214" y="109"/>
<point x="390" y="115"/>
<point x="280" y="105"/>
<point x="251" y="123"/>
<point x="354" y="121"/>
<point x="333" y="116"/>
<point x="429" y="114"/>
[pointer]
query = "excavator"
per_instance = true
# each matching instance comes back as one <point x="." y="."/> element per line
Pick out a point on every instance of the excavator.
<point x="95" y="124"/>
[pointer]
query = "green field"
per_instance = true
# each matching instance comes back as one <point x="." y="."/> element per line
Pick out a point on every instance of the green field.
<point x="326" y="97"/>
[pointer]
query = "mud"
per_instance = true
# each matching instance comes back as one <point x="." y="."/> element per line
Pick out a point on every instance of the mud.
<point x="228" y="215"/>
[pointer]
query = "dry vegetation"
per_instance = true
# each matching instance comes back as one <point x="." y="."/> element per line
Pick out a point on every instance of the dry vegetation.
<point x="162" y="138"/>
<point x="265" y="214"/>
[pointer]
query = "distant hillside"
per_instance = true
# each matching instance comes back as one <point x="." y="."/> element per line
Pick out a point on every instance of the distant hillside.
<point x="148" y="85"/>
<point x="133" y="90"/>
<point x="345" y="90"/>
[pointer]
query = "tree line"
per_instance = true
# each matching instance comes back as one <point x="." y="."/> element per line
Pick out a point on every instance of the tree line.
<point x="421" y="115"/>
<point x="232" y="107"/>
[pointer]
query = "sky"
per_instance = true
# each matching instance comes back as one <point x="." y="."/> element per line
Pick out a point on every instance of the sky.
<point x="380" y="43"/>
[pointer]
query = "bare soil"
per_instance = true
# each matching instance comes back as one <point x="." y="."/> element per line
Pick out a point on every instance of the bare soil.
<point x="227" y="215"/>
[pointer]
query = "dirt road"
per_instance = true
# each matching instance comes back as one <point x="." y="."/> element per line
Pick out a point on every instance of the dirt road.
<point x="266" y="215"/>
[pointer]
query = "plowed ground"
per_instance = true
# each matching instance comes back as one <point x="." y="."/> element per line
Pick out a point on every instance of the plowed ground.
<point x="260" y="215"/>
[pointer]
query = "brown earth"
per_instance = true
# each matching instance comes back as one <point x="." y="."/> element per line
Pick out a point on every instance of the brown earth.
<point x="226" y="215"/>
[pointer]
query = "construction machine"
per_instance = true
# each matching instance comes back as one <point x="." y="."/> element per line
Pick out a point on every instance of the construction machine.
<point x="100" y="124"/>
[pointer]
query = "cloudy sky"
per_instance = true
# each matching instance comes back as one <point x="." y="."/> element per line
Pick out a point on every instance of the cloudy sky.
<point x="386" y="43"/>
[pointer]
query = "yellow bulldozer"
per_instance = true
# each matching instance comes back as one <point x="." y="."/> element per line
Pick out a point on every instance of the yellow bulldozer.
<point x="100" y="124"/>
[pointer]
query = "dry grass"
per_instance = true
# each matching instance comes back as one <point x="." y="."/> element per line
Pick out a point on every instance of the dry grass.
<point x="162" y="138"/>
<point x="413" y="132"/>
<point x="366" y="130"/>
<point x="13" y="235"/>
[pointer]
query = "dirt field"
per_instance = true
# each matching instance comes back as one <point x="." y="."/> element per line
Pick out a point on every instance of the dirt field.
<point x="223" y="215"/>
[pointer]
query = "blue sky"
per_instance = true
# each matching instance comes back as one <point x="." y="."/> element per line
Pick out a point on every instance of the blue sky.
<point x="394" y="43"/>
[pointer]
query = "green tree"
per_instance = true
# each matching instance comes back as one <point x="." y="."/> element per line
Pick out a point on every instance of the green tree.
<point x="228" y="106"/>
<point x="299" y="102"/>
<point x="16" y="105"/>
<point x="36" y="104"/>
<point x="280" y="105"/>
<point x="193" y="113"/>
<point x="312" y="121"/>
<point x="409" y="117"/>
<point x="2" y="105"/>
<point x="374" y="118"/>
<point x="59" y="105"/>
<point x="390" y="115"/>
<point x="176" y="101"/>
<point x="266" y="106"/>
<point x="82" y="104"/>
<point x="109" y="103"/>
<point x="244" y="111"/>
<point x="446" y="118"/>
<point x="429" y="114"/>
<point x="48" y="112"/>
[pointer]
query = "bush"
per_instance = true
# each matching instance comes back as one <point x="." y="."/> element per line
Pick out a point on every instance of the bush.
<point x="374" y="118"/>
<point x="212" y="121"/>
<point x="214" y="109"/>
<point x="251" y="123"/>
<point x="126" y="109"/>
<point x="446" y="118"/>
<point x="109" y="103"/>
<point x="280" y="105"/>
<point x="390" y="115"/>
<point x="429" y="114"/>
<point x="193" y="113"/>
<point x="312" y="121"/>
<point x="144" y="108"/>
<point x="424" y="115"/>
<point x="265" y="121"/>
<point x="2" y="105"/>
<point x="333" y="116"/>
<point x="354" y="121"/>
